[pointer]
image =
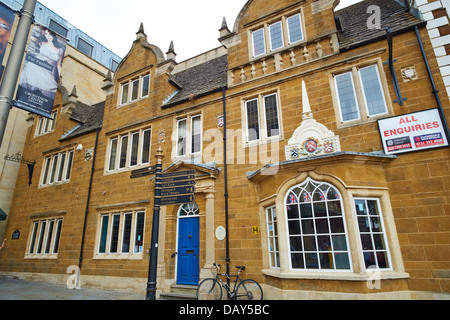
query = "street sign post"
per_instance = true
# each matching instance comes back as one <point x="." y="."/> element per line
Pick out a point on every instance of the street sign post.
<point x="170" y="188"/>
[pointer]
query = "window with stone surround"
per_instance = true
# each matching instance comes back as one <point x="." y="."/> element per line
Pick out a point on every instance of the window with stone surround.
<point x="45" y="125"/>
<point x="129" y="150"/>
<point x="261" y="118"/>
<point x="277" y="34"/>
<point x="359" y="94"/>
<point x="189" y="131"/>
<point x="134" y="89"/>
<point x="120" y="234"/>
<point x="44" y="239"/>
<point x="326" y="230"/>
<point x="57" y="168"/>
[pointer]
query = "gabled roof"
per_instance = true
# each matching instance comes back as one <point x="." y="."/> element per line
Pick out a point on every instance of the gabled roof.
<point x="200" y="80"/>
<point x="354" y="20"/>
<point x="89" y="117"/>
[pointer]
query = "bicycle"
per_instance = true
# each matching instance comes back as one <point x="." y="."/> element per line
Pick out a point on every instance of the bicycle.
<point x="211" y="288"/>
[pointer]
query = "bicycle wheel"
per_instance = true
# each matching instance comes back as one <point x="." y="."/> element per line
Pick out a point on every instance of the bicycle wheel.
<point x="209" y="289"/>
<point x="249" y="290"/>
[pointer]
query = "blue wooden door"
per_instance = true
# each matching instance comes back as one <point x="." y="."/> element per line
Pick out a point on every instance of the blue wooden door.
<point x="188" y="251"/>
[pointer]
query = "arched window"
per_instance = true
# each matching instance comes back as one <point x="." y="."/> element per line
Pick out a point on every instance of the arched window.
<point x="316" y="227"/>
<point x="189" y="210"/>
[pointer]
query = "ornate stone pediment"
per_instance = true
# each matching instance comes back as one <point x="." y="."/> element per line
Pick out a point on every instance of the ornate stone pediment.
<point x="311" y="138"/>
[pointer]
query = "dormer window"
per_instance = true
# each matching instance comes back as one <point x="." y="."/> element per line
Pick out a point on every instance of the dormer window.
<point x="275" y="33"/>
<point x="134" y="89"/>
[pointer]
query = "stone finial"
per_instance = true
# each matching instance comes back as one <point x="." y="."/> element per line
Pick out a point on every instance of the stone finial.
<point x="71" y="102"/>
<point x="141" y="33"/>
<point x="171" y="55"/>
<point x="224" y="31"/>
<point x="307" y="113"/>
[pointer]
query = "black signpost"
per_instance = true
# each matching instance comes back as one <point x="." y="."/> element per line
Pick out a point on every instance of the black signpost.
<point x="170" y="188"/>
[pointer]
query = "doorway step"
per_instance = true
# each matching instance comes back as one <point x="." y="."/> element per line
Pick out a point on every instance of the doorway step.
<point x="180" y="292"/>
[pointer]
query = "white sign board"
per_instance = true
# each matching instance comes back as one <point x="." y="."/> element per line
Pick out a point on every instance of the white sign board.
<point x="412" y="132"/>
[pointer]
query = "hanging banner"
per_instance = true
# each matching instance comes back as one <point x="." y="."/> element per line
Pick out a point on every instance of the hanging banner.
<point x="6" y="23"/>
<point x="412" y="132"/>
<point x="41" y="72"/>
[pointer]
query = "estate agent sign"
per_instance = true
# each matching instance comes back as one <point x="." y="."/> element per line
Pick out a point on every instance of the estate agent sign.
<point x="412" y="132"/>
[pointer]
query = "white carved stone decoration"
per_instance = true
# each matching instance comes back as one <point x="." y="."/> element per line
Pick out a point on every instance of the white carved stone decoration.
<point x="311" y="138"/>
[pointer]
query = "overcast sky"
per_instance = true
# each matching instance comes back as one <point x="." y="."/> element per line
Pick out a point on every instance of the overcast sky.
<point x="192" y="24"/>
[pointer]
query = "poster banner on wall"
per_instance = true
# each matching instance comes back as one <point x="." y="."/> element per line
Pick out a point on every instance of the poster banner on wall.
<point x="41" y="72"/>
<point x="6" y="24"/>
<point x="412" y="132"/>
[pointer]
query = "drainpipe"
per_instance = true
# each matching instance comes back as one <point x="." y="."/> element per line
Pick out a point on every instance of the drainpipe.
<point x="87" y="208"/>
<point x="227" y="259"/>
<point x="435" y="91"/>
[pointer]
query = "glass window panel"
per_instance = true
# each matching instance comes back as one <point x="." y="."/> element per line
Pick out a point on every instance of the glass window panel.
<point x="326" y="260"/>
<point x="69" y="165"/>
<point x="276" y="36"/>
<point x="369" y="259"/>
<point x="54" y="168"/>
<point x="382" y="259"/>
<point x="360" y="207"/>
<point x="272" y="121"/>
<point x="309" y="243"/>
<point x="378" y="241"/>
<point x="295" y="28"/>
<point x="296" y="244"/>
<point x="113" y="154"/>
<point x="306" y="210"/>
<point x="259" y="46"/>
<point x="292" y="198"/>
<point x="347" y="97"/>
<point x="123" y="152"/>
<point x="61" y="167"/>
<point x="146" y="147"/>
<point x="182" y="137"/>
<point x="41" y="237"/>
<point x="320" y="209"/>
<point x="324" y="243"/>
<point x="308" y="226"/>
<point x="334" y="208"/>
<point x="46" y="170"/>
<point x="145" y="86"/>
<point x="139" y="234"/>
<point x="115" y="233"/>
<point x="104" y="234"/>
<point x="366" y="241"/>
<point x="196" y="127"/>
<point x="337" y="225"/>
<point x="125" y="89"/>
<point x="294" y="227"/>
<point x="363" y="224"/>
<point x="57" y="236"/>
<point x="311" y="261"/>
<point x="33" y="237"/>
<point x="373" y="92"/>
<point x="135" y="90"/>
<point x="342" y="261"/>
<point x="59" y="29"/>
<point x="292" y="211"/>
<point x="85" y="47"/>
<point x="297" y="261"/>
<point x="339" y="243"/>
<point x="126" y="233"/>
<point x="322" y="226"/>
<point x="49" y="236"/>
<point x="373" y="208"/>
<point x="134" y="149"/>
<point x="375" y="224"/>
<point x="252" y="120"/>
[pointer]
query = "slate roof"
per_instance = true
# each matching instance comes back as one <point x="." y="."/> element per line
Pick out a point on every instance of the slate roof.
<point x="200" y="80"/>
<point x="90" y="118"/>
<point x="354" y="19"/>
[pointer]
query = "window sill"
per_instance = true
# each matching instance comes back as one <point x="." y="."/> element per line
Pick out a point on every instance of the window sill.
<point x="54" y="184"/>
<point x="119" y="256"/>
<point x="338" y="275"/>
<point x="41" y="257"/>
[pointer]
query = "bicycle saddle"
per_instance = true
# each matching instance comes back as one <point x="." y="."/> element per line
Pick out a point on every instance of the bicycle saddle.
<point x="240" y="267"/>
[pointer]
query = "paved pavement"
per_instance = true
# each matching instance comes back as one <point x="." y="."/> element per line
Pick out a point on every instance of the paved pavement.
<point x="13" y="289"/>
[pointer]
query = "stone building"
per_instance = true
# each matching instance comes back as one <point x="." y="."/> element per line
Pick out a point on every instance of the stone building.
<point x="318" y="195"/>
